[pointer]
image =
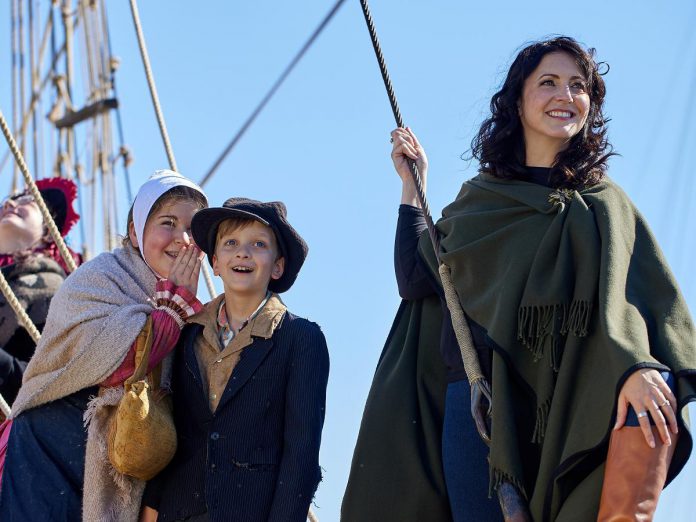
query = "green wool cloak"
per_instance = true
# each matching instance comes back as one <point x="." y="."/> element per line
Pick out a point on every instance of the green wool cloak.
<point x="396" y="473"/>
<point x="575" y="295"/>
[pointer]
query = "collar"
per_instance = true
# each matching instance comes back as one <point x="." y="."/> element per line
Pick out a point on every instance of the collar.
<point x="263" y="324"/>
<point x="223" y="322"/>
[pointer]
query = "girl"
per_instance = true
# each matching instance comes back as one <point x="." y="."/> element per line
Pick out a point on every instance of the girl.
<point x="576" y="318"/>
<point x="89" y="341"/>
<point x="33" y="268"/>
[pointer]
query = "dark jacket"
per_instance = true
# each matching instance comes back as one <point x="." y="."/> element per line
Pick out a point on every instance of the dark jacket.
<point x="34" y="281"/>
<point x="257" y="457"/>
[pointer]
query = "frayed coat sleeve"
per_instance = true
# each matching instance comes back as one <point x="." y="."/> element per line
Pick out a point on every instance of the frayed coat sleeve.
<point x="299" y="472"/>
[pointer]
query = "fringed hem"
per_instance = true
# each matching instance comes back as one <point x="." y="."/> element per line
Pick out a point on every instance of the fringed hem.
<point x="542" y="420"/>
<point x="106" y="397"/>
<point x="536" y="324"/>
<point x="498" y="477"/>
<point x="577" y="322"/>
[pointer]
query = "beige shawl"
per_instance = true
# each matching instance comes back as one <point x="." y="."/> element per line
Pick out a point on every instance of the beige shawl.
<point x="93" y="320"/>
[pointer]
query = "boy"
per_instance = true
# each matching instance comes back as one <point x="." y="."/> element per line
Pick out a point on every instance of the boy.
<point x="249" y="380"/>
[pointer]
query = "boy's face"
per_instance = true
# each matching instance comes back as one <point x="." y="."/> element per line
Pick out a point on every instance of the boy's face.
<point x="246" y="258"/>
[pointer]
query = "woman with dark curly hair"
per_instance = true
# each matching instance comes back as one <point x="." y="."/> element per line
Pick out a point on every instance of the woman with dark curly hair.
<point x="578" y="324"/>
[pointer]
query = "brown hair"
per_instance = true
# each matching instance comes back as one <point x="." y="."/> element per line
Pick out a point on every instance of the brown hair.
<point x="235" y="223"/>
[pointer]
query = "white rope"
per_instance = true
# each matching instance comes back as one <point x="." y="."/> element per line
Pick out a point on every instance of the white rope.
<point x="160" y="117"/>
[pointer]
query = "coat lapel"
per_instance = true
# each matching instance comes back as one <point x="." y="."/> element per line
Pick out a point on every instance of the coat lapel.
<point x="190" y="355"/>
<point x="252" y="356"/>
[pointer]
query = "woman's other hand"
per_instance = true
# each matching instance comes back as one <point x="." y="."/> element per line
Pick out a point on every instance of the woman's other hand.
<point x="649" y="395"/>
<point x="187" y="268"/>
<point x="405" y="147"/>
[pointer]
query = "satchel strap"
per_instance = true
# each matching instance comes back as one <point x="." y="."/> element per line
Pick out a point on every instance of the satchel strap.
<point x="143" y="346"/>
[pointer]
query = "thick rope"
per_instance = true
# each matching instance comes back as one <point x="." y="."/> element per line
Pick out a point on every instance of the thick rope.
<point x="151" y="83"/>
<point x="48" y="219"/>
<point x="472" y="367"/>
<point x="22" y="316"/>
<point x="271" y="92"/>
<point x="160" y="118"/>
<point x="434" y="236"/>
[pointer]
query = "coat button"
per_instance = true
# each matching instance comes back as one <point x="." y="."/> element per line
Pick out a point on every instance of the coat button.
<point x="215" y="435"/>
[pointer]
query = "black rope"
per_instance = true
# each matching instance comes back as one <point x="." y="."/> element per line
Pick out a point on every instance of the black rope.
<point x="271" y="92"/>
<point x="434" y="236"/>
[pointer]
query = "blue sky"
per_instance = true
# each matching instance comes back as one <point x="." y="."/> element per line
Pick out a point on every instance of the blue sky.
<point x="322" y="144"/>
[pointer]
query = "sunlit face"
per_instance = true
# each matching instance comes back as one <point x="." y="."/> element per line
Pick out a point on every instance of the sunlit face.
<point x="21" y="224"/>
<point x="246" y="259"/>
<point x="554" y="103"/>
<point x="166" y="231"/>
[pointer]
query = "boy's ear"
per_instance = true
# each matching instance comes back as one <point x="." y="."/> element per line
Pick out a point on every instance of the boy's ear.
<point x="131" y="234"/>
<point x="215" y="266"/>
<point x="278" y="268"/>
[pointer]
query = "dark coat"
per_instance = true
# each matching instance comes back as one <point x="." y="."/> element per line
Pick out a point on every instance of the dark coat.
<point x="257" y="457"/>
<point x="34" y="281"/>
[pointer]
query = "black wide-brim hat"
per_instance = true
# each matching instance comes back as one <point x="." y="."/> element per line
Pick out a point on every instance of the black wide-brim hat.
<point x="293" y="248"/>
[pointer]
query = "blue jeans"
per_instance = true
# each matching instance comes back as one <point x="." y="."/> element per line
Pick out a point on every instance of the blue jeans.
<point x="465" y="461"/>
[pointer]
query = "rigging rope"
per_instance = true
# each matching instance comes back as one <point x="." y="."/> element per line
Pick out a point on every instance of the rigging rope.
<point x="463" y="334"/>
<point x="22" y="316"/>
<point x="160" y="118"/>
<point x="151" y="85"/>
<point x="48" y="219"/>
<point x="271" y="91"/>
<point x="113" y="65"/>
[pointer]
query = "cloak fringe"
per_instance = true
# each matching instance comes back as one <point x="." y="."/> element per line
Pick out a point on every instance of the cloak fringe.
<point x="536" y="324"/>
<point x="498" y="477"/>
<point x="542" y="419"/>
<point x="577" y="321"/>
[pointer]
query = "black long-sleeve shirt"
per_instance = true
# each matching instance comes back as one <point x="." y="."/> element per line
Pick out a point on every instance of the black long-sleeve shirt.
<point x="415" y="281"/>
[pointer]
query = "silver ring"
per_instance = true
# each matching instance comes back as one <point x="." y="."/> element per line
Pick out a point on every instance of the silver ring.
<point x="666" y="403"/>
<point x="642" y="414"/>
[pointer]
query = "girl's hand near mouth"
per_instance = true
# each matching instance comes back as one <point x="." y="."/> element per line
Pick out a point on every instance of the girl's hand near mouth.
<point x="186" y="268"/>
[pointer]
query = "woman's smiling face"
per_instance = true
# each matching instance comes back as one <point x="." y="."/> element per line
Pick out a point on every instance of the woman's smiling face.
<point x="21" y="224"/>
<point x="554" y="103"/>
<point x="166" y="231"/>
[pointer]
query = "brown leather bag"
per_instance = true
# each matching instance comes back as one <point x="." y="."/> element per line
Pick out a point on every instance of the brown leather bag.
<point x="142" y="437"/>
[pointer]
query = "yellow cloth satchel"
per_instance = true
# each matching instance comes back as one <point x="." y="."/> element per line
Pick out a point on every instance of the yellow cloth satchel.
<point x="142" y="436"/>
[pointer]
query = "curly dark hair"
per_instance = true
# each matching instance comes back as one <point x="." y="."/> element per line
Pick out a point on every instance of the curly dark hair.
<point x="499" y="144"/>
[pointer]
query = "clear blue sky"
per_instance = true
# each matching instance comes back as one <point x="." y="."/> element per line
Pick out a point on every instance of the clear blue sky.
<point x="322" y="144"/>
